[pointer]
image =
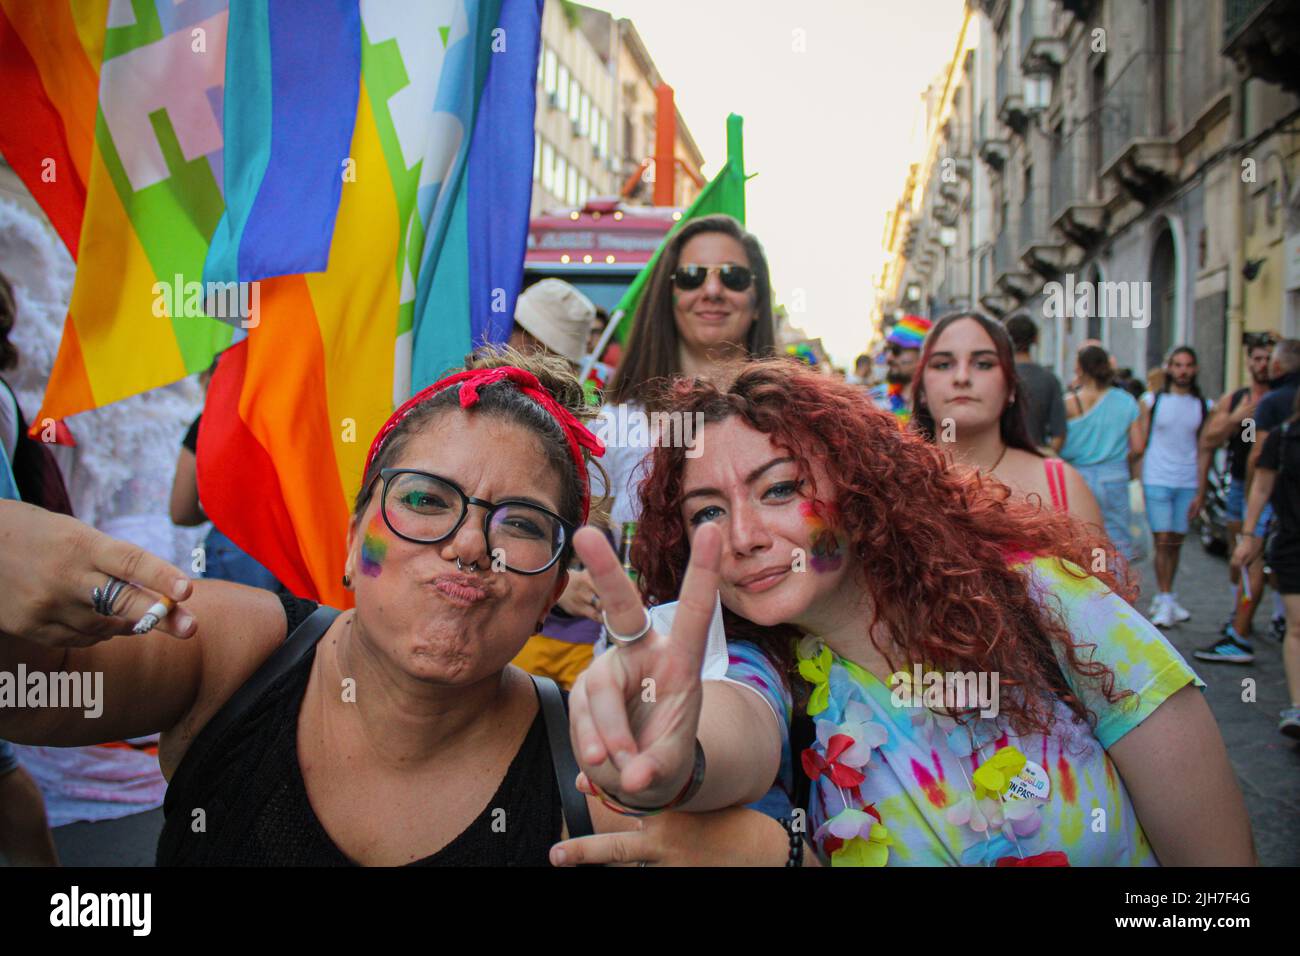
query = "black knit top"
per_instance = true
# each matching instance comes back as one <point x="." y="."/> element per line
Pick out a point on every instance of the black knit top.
<point x="255" y="810"/>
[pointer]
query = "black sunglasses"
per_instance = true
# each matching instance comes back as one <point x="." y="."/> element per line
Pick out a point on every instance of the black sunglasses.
<point x="425" y="509"/>
<point x="735" y="278"/>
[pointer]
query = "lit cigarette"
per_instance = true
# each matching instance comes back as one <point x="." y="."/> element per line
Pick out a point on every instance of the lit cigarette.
<point x="153" y="616"/>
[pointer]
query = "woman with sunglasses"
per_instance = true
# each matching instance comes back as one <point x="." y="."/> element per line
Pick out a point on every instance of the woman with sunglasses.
<point x="856" y="565"/>
<point x="708" y="301"/>
<point x="969" y="401"/>
<point x="393" y="733"/>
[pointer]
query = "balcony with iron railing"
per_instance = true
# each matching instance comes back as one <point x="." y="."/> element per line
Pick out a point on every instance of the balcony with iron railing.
<point x="1032" y="219"/>
<point x="1041" y="50"/>
<point x="1080" y="9"/>
<point x="1009" y="274"/>
<point x="1074" y="205"/>
<point x="1002" y="251"/>
<point x="1061" y="188"/>
<point x="1138" y="147"/>
<point x="1263" y="38"/>
<point x="1008" y="92"/>
<point x="1039" y="246"/>
<point x="1238" y="13"/>
<point x="993" y="148"/>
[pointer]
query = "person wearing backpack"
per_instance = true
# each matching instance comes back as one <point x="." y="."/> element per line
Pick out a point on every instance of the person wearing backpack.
<point x="1172" y="466"/>
<point x="1277" y="482"/>
<point x="1233" y="424"/>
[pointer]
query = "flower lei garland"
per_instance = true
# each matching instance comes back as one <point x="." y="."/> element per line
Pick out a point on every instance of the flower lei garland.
<point x="858" y="837"/>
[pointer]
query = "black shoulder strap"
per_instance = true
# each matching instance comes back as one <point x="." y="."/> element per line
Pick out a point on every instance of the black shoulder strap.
<point x="556" y="718"/>
<point x="1151" y="425"/>
<point x="304" y="637"/>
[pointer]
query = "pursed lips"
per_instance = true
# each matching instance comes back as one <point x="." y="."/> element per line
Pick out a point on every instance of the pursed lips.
<point x="461" y="589"/>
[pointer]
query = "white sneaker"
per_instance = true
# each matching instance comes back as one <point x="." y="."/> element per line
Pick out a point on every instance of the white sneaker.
<point x="1180" y="613"/>
<point x="1155" y="604"/>
<point x="1164" y="615"/>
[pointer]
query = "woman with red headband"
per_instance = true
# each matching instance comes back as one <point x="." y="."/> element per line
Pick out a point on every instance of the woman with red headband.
<point x="390" y="734"/>
<point x="967" y="682"/>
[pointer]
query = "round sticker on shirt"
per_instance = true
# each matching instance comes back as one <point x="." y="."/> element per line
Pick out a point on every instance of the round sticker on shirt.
<point x="1033" y="782"/>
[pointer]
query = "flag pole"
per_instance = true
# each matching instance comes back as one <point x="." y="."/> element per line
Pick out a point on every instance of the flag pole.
<point x="589" y="361"/>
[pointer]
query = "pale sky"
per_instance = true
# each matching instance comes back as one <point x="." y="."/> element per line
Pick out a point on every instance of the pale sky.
<point x="829" y="130"/>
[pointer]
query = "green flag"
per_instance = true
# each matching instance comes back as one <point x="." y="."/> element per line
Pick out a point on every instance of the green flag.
<point x="725" y="193"/>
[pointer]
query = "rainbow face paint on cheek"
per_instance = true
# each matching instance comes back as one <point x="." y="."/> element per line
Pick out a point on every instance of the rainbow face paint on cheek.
<point x="827" y="550"/>
<point x="374" y="547"/>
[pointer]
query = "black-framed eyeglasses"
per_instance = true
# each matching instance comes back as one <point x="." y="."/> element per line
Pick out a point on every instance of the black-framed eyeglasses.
<point x="735" y="278"/>
<point x="426" y="509"/>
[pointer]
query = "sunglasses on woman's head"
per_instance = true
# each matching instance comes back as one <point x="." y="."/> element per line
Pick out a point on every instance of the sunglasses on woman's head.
<point x="735" y="278"/>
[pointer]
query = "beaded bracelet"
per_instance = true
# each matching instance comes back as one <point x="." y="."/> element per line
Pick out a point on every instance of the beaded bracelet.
<point x="796" y="841"/>
<point x="691" y="788"/>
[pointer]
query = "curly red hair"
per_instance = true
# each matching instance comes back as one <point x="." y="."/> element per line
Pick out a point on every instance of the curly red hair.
<point x="934" y="539"/>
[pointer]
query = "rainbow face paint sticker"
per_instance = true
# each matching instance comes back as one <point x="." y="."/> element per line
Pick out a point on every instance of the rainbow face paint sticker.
<point x="827" y="550"/>
<point x="374" y="547"/>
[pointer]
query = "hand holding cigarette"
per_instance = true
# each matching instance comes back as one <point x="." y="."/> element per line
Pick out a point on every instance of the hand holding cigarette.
<point x="152" y="616"/>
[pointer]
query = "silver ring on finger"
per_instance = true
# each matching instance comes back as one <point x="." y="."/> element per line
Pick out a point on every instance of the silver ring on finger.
<point x="103" y="598"/>
<point x="626" y="638"/>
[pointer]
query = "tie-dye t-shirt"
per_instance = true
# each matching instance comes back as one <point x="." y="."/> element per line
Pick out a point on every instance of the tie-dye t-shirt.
<point x="898" y="784"/>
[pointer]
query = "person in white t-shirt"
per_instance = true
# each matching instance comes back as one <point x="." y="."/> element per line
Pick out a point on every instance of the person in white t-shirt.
<point x="1172" y="466"/>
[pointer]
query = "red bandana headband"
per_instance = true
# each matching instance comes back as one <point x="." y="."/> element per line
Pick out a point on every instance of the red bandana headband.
<point x="575" y="433"/>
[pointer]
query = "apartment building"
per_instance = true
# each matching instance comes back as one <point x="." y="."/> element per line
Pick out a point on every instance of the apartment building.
<point x="597" y="101"/>
<point x="1133" y="173"/>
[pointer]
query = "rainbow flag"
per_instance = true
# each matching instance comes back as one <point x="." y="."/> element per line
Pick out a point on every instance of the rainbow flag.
<point x="352" y="194"/>
<point x="112" y="119"/>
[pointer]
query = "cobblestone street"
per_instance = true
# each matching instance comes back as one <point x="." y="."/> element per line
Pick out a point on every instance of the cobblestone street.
<point x="1267" y="764"/>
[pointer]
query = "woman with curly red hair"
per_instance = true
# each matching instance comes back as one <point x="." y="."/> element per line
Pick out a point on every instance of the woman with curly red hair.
<point x="981" y="692"/>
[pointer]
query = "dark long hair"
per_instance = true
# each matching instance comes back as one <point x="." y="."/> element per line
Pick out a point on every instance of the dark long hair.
<point x="1182" y="350"/>
<point x="8" y="315"/>
<point x="651" y="351"/>
<point x="1011" y="426"/>
<point x="1094" y="362"/>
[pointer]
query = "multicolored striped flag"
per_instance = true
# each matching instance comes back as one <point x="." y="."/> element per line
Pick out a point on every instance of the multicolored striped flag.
<point x="352" y="193"/>
<point x="112" y="119"/>
<point x="425" y="261"/>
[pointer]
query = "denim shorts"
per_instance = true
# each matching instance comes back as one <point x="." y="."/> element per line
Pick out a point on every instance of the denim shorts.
<point x="1167" y="508"/>
<point x="1235" y="507"/>
<point x="1109" y="485"/>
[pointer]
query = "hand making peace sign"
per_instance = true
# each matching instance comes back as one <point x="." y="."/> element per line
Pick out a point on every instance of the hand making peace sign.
<point x="635" y="712"/>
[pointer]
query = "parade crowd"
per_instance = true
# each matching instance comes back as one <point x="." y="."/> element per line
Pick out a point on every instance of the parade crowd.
<point x="743" y="631"/>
